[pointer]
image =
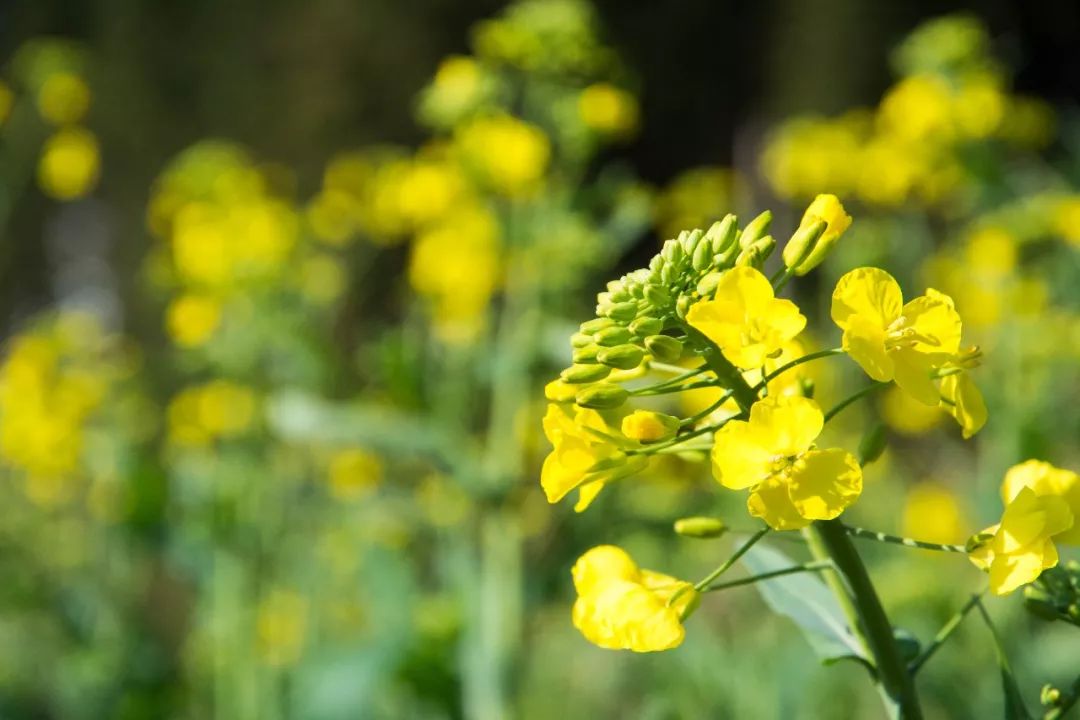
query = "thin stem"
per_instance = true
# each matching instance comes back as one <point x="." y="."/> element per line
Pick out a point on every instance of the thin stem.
<point x="694" y="419"/>
<point x="906" y="542"/>
<point x="945" y="632"/>
<point x="794" y="363"/>
<point x="808" y="567"/>
<point x="859" y="395"/>
<point x="675" y="369"/>
<point x="726" y="565"/>
<point x="667" y="388"/>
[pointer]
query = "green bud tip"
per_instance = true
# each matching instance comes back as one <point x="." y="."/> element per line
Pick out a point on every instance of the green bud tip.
<point x="612" y="336"/>
<point x="603" y="396"/>
<point x="623" y="357"/>
<point x="700" y="527"/>
<point x="755" y="229"/>
<point x="581" y="374"/>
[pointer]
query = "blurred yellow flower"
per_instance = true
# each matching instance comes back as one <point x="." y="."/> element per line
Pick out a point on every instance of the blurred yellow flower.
<point x="622" y="607"/>
<point x="321" y="279"/>
<point x="192" y="319"/>
<point x="695" y="198"/>
<point x="201" y="414"/>
<point x="354" y="473"/>
<point x="906" y="415"/>
<point x="744" y="319"/>
<point x="281" y="627"/>
<point x="69" y="164"/>
<point x="63" y="98"/>
<point x="790" y="483"/>
<point x="608" y="109"/>
<point x="932" y="513"/>
<point x="991" y="252"/>
<point x="508" y="154"/>
<point x="7" y="100"/>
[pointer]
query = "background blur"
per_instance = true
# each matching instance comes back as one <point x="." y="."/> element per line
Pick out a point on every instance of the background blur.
<point x="280" y="285"/>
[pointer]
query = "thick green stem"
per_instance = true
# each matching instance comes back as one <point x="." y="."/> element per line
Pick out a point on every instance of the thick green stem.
<point x="829" y="540"/>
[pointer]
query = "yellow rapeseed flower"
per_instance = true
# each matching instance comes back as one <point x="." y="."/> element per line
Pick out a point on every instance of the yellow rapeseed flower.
<point x="608" y="109"/>
<point x="63" y="98"/>
<point x="891" y="340"/>
<point x="1045" y="479"/>
<point x="622" y="607"/>
<point x="69" y="164"/>
<point x="354" y="473"/>
<point x="192" y="319"/>
<point x="791" y="484"/>
<point x="932" y="513"/>
<point x="508" y="154"/>
<point x="745" y="320"/>
<point x="649" y="426"/>
<point x="829" y="209"/>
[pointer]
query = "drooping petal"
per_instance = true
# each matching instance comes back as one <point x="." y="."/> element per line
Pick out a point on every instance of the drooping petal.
<point x="738" y="459"/>
<point x="868" y="292"/>
<point x="864" y="341"/>
<point x="1008" y="572"/>
<point x="964" y="402"/>
<point x="913" y="374"/>
<point x="603" y="563"/>
<point x="587" y="493"/>
<point x="786" y="426"/>
<point x="771" y="502"/>
<point x="824" y="483"/>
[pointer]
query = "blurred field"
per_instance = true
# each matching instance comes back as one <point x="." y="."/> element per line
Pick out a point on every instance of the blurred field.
<point x="280" y="303"/>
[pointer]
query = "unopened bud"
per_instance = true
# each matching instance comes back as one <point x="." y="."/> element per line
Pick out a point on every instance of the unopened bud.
<point x="645" y="326"/>
<point x="829" y="209"/>
<point x="807" y="388"/>
<point x="612" y="336"/>
<point x="673" y="253"/>
<point x="558" y="391"/>
<point x="657" y="296"/>
<point x="579" y="340"/>
<point x="690" y="241"/>
<point x="602" y="396"/>
<point x="707" y="285"/>
<point x="623" y="357"/>
<point x="872" y="444"/>
<point x="722" y="234"/>
<point x="596" y="325"/>
<point x="682" y="305"/>
<point x="581" y="374"/>
<point x="1050" y="695"/>
<point x="623" y="311"/>
<point x="702" y="257"/>
<point x="802" y="243"/>
<point x="755" y="254"/>
<point x="700" y="527"/>
<point x="585" y="355"/>
<point x="648" y="426"/>
<point x="664" y="348"/>
<point x="755" y="229"/>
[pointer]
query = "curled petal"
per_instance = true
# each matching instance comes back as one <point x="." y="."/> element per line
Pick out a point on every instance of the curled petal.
<point x="771" y="502"/>
<point x="868" y="292"/>
<point x="965" y="403"/>
<point x="824" y="483"/>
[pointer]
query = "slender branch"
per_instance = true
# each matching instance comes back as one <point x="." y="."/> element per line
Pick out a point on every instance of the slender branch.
<point x="707" y="411"/>
<point x="906" y="542"/>
<point x="667" y="389"/>
<point x="858" y="395"/>
<point x="808" y="567"/>
<point x="945" y="632"/>
<point x="676" y="369"/>
<point x="726" y="565"/>
<point x="794" y="363"/>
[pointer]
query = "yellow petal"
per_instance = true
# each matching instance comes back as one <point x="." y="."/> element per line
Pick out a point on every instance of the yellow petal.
<point x="601" y="564"/>
<point x="738" y="460"/>
<point x="965" y="403"/>
<point x="744" y="286"/>
<point x="913" y="374"/>
<point x="787" y="425"/>
<point x="1031" y="519"/>
<point x="587" y="493"/>
<point x="771" y="502"/>
<point x="864" y="341"/>
<point x="1008" y="572"/>
<point x="1045" y="479"/>
<point x="868" y="292"/>
<point x="824" y="483"/>
<point x="935" y="321"/>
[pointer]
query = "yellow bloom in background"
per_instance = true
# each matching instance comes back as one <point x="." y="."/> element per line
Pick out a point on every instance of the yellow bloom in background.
<point x="608" y="109"/>
<point x="508" y="154"/>
<point x="791" y="484"/>
<point x="829" y="209"/>
<point x="1045" y="479"/>
<point x="7" y="101"/>
<point x="906" y="415"/>
<point x="63" y="98"/>
<point x="695" y="198"/>
<point x="1017" y="550"/>
<point x="622" y="607"/>
<point x="192" y="319"/>
<point x="745" y="320"/>
<point x="891" y="340"/>
<point x="69" y="164"/>
<point x="458" y="78"/>
<point x="445" y="503"/>
<point x="918" y="108"/>
<point x="991" y="252"/>
<point x="203" y="413"/>
<point x="932" y="513"/>
<point x="321" y="279"/>
<point x="281" y="628"/>
<point x="354" y="473"/>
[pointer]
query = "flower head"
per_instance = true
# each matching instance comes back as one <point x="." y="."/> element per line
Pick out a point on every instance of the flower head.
<point x="892" y="340"/>
<point x="791" y="484"/>
<point x="622" y="607"/>
<point x="745" y="320"/>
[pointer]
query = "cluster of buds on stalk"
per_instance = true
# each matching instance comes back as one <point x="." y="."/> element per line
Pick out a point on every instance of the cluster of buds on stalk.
<point x="1056" y="593"/>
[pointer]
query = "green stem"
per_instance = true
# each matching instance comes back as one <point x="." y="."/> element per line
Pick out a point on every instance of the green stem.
<point x="829" y="541"/>
<point x="675" y="370"/>
<point x="795" y="363"/>
<point x="694" y="419"/>
<point x="906" y="542"/>
<point x="669" y="389"/>
<point x="726" y="565"/>
<point x="808" y="567"/>
<point x="858" y="395"/>
<point x="944" y="633"/>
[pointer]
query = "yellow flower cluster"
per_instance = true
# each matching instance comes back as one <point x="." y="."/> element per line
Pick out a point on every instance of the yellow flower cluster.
<point x="70" y="160"/>
<point x="52" y="381"/>
<point x="216" y="410"/>
<point x="1042" y="504"/>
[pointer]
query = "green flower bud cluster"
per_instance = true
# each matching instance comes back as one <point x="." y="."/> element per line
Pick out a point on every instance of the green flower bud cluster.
<point x="1056" y="594"/>
<point x="638" y="316"/>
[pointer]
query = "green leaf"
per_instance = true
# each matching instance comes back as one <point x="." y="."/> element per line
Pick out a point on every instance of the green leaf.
<point x="1014" y="701"/>
<point x="805" y="599"/>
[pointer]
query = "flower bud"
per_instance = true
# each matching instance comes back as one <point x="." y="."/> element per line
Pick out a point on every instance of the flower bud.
<point x="648" y="426"/>
<point x="690" y="241"/>
<point x="829" y="209"/>
<point x="807" y="388"/>
<point x="596" y="325"/>
<point x="657" y="296"/>
<point x="558" y="391"/>
<point x="757" y="253"/>
<point x="802" y="243"/>
<point x="673" y="253"/>
<point x="578" y="339"/>
<point x="722" y="234"/>
<point x="664" y="348"/>
<point x="1050" y="695"/>
<point x="646" y="325"/>
<point x="623" y="311"/>
<point x="703" y="257"/>
<point x="700" y="527"/>
<point x="756" y="229"/>
<point x="612" y="336"/>
<point x="585" y="355"/>
<point x="602" y="396"/>
<point x="682" y="305"/>
<point x="623" y="357"/>
<point x="707" y="284"/>
<point x="872" y="444"/>
<point x="581" y="374"/>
